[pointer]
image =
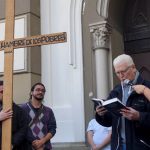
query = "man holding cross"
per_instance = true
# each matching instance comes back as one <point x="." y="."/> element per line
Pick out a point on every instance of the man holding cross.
<point x="3" y="114"/>
<point x="19" y="122"/>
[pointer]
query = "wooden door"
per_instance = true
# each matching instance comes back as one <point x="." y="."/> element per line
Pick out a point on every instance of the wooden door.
<point x="137" y="34"/>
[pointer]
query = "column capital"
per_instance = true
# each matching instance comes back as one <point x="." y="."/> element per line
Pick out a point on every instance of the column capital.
<point x="100" y="35"/>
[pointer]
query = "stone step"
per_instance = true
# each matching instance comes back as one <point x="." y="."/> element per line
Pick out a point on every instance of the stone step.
<point x="70" y="146"/>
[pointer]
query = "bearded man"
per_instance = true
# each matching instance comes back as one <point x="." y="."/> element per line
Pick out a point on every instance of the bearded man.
<point x="42" y="123"/>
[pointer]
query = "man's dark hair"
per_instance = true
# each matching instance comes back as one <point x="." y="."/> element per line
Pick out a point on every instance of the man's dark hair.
<point x="33" y="87"/>
<point x="1" y="82"/>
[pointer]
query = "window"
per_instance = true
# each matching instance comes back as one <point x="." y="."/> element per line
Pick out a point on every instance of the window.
<point x="19" y="54"/>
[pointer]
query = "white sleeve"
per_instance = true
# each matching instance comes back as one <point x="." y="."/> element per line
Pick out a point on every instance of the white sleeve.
<point x="90" y="126"/>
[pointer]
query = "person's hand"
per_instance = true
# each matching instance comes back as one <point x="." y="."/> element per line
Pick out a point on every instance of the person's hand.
<point x="100" y="110"/>
<point x="41" y="148"/>
<point x="139" y="88"/>
<point x="38" y="144"/>
<point x="130" y="113"/>
<point x="5" y="114"/>
<point x="94" y="147"/>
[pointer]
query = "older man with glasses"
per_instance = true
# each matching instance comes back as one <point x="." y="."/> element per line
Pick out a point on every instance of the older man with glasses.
<point x="131" y="131"/>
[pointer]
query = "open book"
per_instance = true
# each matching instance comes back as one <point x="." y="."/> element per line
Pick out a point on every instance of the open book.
<point x="113" y="105"/>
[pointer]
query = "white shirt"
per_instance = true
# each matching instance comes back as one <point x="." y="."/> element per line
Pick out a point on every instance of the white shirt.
<point x="100" y="132"/>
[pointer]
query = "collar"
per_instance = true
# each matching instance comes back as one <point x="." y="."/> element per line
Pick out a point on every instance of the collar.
<point x="136" y="77"/>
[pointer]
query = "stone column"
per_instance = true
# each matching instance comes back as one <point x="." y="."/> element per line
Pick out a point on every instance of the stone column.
<point x="100" y="35"/>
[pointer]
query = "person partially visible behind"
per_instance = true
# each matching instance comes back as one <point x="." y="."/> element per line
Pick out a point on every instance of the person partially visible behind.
<point x="142" y="89"/>
<point x="19" y="123"/>
<point x="98" y="136"/>
<point x="42" y="122"/>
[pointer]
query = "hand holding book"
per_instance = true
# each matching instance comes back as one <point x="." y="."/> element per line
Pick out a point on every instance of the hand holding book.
<point x="113" y="105"/>
<point x="101" y="110"/>
<point x="130" y="113"/>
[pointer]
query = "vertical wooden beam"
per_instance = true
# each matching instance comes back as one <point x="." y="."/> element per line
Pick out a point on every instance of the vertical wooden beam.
<point x="8" y="74"/>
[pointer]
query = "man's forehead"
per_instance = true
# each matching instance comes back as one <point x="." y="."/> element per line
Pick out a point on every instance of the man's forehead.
<point x="121" y="65"/>
<point x="39" y="86"/>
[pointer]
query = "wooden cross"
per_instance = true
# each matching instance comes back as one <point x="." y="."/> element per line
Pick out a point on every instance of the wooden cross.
<point x="8" y="46"/>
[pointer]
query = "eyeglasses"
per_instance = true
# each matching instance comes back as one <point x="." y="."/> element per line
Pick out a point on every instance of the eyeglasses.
<point x="123" y="71"/>
<point x="40" y="90"/>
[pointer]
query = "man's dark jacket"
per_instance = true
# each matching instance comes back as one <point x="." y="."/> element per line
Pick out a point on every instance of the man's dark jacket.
<point x="19" y="127"/>
<point x="137" y="132"/>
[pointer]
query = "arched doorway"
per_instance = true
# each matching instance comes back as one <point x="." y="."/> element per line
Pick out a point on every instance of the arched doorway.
<point x="137" y="34"/>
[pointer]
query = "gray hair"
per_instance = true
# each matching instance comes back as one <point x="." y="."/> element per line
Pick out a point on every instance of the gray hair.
<point x="123" y="59"/>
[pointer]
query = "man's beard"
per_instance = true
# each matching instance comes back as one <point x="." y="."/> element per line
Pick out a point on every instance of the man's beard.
<point x="38" y="98"/>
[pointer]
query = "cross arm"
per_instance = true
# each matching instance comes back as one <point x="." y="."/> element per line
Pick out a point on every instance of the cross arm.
<point x="35" y="41"/>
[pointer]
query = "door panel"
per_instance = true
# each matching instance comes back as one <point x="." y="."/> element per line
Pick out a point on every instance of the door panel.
<point x="137" y="34"/>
